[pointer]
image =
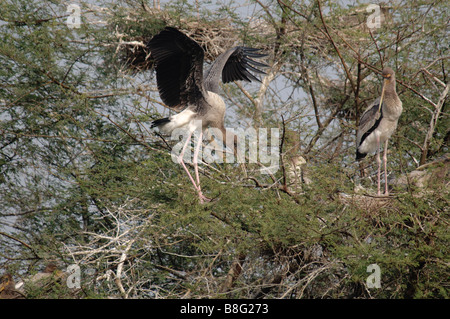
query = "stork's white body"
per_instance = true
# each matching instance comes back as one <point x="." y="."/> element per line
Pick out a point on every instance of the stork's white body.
<point x="192" y="121"/>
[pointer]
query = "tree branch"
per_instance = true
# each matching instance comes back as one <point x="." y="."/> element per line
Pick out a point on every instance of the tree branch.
<point x="432" y="126"/>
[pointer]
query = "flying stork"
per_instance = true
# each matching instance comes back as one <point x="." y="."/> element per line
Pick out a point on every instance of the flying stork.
<point x="193" y="95"/>
<point x="378" y="123"/>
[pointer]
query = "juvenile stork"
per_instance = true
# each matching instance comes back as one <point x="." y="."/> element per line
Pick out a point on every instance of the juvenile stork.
<point x="378" y="123"/>
<point x="195" y="96"/>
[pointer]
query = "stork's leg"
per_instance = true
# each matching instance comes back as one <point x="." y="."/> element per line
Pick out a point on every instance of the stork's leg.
<point x="202" y="197"/>
<point x="197" y="150"/>
<point x="181" y="161"/>
<point x="386" y="190"/>
<point x="379" y="166"/>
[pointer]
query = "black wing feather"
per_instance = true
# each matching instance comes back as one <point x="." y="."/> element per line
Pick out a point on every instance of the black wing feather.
<point x="179" y="68"/>
<point x="239" y="63"/>
<point x="368" y="123"/>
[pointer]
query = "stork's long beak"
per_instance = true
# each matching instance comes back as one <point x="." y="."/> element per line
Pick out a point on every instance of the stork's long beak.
<point x="382" y="94"/>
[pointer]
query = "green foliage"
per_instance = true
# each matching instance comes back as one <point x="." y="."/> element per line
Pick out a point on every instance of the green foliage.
<point x="83" y="180"/>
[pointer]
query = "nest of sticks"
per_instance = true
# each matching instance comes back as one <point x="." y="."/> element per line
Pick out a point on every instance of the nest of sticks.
<point x="214" y="37"/>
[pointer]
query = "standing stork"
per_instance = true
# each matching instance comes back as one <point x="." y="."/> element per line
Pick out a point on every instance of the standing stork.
<point x="378" y="123"/>
<point x="184" y="89"/>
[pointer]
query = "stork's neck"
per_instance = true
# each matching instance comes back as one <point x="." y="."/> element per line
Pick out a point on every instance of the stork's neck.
<point x="390" y="89"/>
<point x="214" y="74"/>
<point x="392" y="105"/>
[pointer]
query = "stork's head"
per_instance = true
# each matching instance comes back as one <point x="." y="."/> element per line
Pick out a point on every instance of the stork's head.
<point x="388" y="74"/>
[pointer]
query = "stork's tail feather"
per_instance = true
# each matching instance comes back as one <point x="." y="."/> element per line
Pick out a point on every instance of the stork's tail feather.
<point x="160" y="122"/>
<point x="360" y="156"/>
